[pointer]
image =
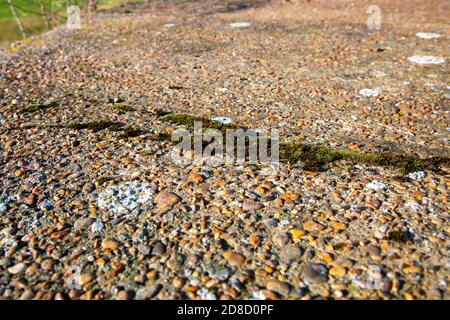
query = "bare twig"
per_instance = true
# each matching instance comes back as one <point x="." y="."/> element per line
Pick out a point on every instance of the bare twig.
<point x="19" y="23"/>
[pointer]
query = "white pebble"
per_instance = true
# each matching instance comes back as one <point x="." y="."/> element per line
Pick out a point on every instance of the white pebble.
<point x="441" y="236"/>
<point x="97" y="227"/>
<point x="240" y="24"/>
<point x="369" y="92"/>
<point x="205" y="294"/>
<point x="222" y="120"/>
<point x="428" y="35"/>
<point x="426" y="59"/>
<point x="169" y="25"/>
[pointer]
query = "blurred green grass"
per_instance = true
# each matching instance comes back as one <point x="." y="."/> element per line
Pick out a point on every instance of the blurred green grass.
<point x="33" y="22"/>
<point x="10" y="32"/>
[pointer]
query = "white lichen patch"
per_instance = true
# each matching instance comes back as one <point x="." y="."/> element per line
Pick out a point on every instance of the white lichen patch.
<point x="369" y="92"/>
<point x="417" y="175"/>
<point x="426" y="59"/>
<point x="97" y="227"/>
<point x="375" y="185"/>
<point x="427" y="35"/>
<point x="4" y="203"/>
<point x="222" y="120"/>
<point x="240" y="24"/>
<point x="126" y="196"/>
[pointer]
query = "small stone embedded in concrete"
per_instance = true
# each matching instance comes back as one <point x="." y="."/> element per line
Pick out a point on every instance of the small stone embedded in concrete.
<point x="290" y="253"/>
<point x="369" y="92"/>
<point x="233" y="258"/>
<point x="222" y="120"/>
<point x="240" y="24"/>
<point x="166" y="200"/>
<point x="428" y="35"/>
<point x="426" y="59"/>
<point x="315" y="273"/>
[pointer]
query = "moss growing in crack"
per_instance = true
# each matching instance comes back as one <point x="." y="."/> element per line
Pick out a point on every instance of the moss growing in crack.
<point x="180" y="119"/>
<point x="188" y="120"/>
<point x="338" y="246"/>
<point x="125" y="132"/>
<point x="315" y="157"/>
<point x="160" y="112"/>
<point x="175" y="87"/>
<point x="121" y="107"/>
<point x="103" y="180"/>
<point x="398" y="236"/>
<point x="33" y="107"/>
<point x="163" y="136"/>
<point x="130" y="132"/>
<point x="96" y="126"/>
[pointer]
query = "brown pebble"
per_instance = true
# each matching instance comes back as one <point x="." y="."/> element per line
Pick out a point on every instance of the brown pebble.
<point x="196" y="178"/>
<point x="278" y="287"/>
<point x="374" y="203"/>
<point x="234" y="259"/>
<point x="166" y="200"/>
<point x="251" y="206"/>
<point x="123" y="295"/>
<point x="85" y="278"/>
<point x="110" y="244"/>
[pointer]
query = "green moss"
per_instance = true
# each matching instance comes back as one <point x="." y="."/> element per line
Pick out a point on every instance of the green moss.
<point x="102" y="180"/>
<point x="188" y="120"/>
<point x="121" y="107"/>
<point x="175" y="87"/>
<point x="160" y="112"/>
<point x="180" y="119"/>
<point x="162" y="136"/>
<point x="398" y="236"/>
<point x="126" y="132"/>
<point x="33" y="107"/>
<point x="338" y="246"/>
<point x="96" y="126"/>
<point x="130" y="132"/>
<point x="315" y="157"/>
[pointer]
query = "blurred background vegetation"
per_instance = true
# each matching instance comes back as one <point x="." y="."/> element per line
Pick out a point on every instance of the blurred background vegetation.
<point x="38" y="16"/>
